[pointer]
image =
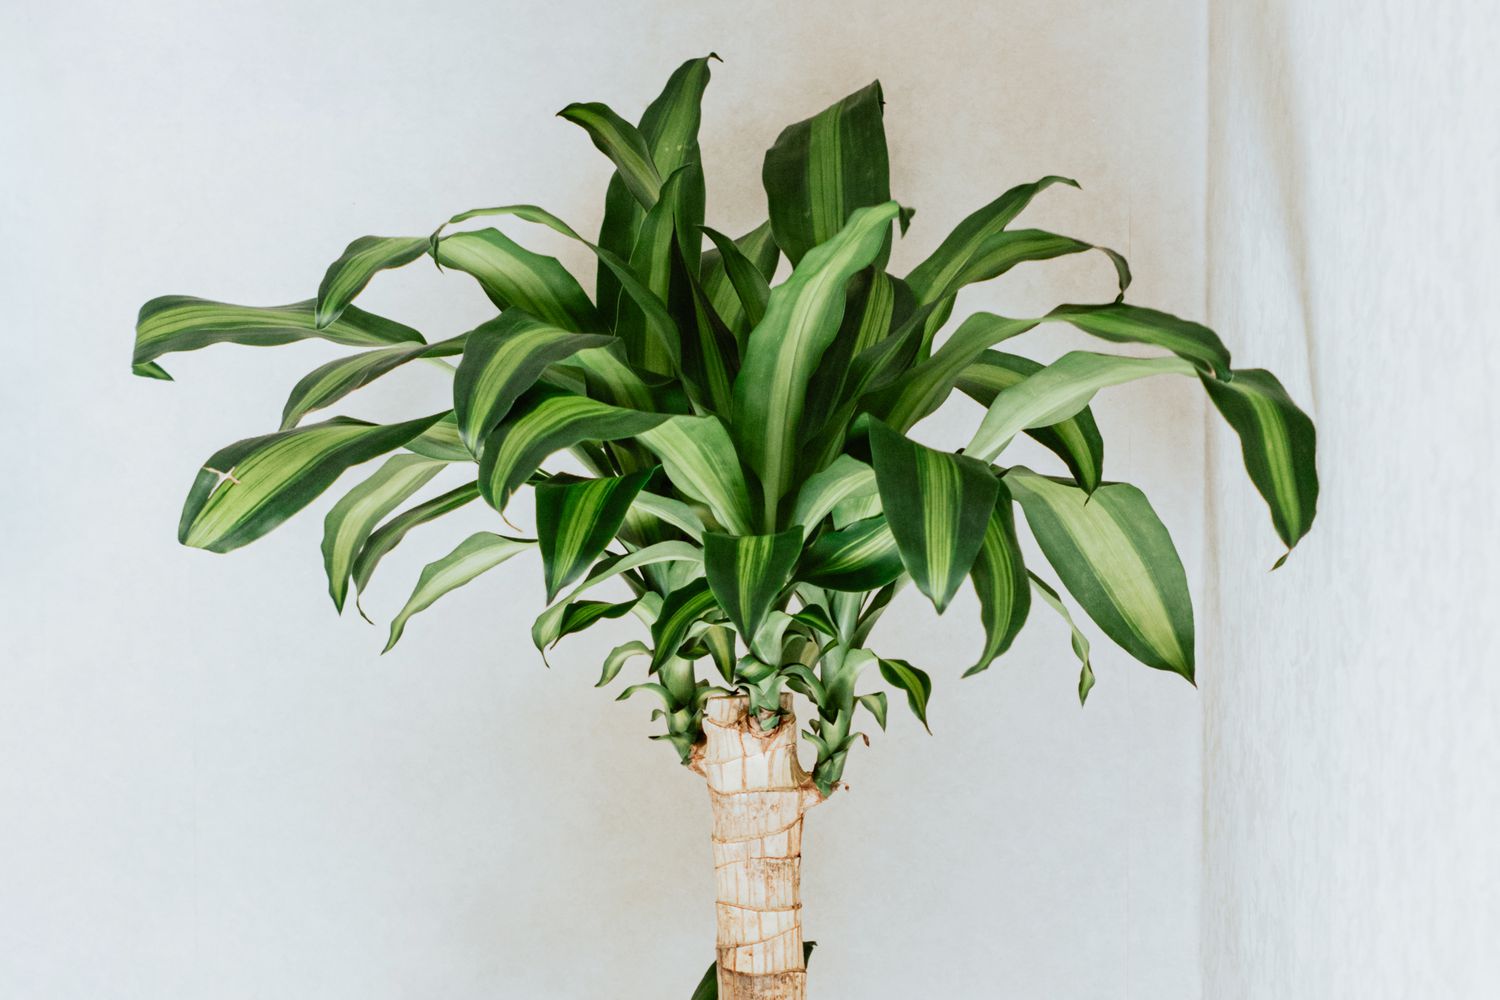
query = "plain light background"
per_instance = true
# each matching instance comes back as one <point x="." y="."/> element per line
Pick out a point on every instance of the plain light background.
<point x="212" y="787"/>
<point x="1352" y="703"/>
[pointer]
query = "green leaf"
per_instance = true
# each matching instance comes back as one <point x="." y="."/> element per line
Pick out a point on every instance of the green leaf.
<point x="858" y="558"/>
<point x="1080" y="641"/>
<point x="349" y="524"/>
<point x="615" y="661"/>
<point x="360" y="261"/>
<point x="680" y="609"/>
<point x="331" y="382"/>
<point x="474" y="555"/>
<point x="824" y="168"/>
<point x="652" y="338"/>
<point x="1058" y="392"/>
<point x="504" y="357"/>
<point x="1075" y="440"/>
<point x="175" y="323"/>
<point x="748" y="572"/>
<point x="670" y="129"/>
<point x="1127" y="324"/>
<point x="800" y="322"/>
<point x="739" y="286"/>
<point x="915" y="682"/>
<point x="151" y="370"/>
<point x="999" y="577"/>
<point x="701" y="461"/>
<point x="389" y="535"/>
<point x="1114" y="555"/>
<point x="623" y="143"/>
<point x="999" y="252"/>
<point x="877" y="705"/>
<point x="1279" y="445"/>
<point x="546" y="630"/>
<point x="674" y="512"/>
<point x="251" y="486"/>
<point x="922" y="389"/>
<point x="575" y="616"/>
<point x="659" y="320"/>
<point x="440" y="441"/>
<point x="939" y="276"/>
<point x="511" y="275"/>
<point x="515" y="449"/>
<point x="575" y="520"/>
<point x="846" y="477"/>
<point x="938" y="506"/>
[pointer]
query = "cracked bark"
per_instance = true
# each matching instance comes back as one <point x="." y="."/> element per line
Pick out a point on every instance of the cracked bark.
<point x="760" y="794"/>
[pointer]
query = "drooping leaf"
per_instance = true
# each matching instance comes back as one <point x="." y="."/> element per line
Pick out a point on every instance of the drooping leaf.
<point x="701" y="461"/>
<point x="821" y="170"/>
<point x="515" y="449"/>
<point x="504" y="357"/>
<point x="361" y="261"/>
<point x="474" y="555"/>
<point x="349" y="524"/>
<point x="511" y="275"/>
<point x="558" y="623"/>
<point x="859" y="558"/>
<point x="937" y="279"/>
<point x="800" y="322"/>
<point x="679" y="610"/>
<point x="1059" y="391"/>
<point x="1127" y="324"/>
<point x="912" y="680"/>
<point x="390" y="534"/>
<point x="1080" y="641"/>
<point x="246" y="489"/>
<point x="658" y="320"/>
<point x="845" y="477"/>
<point x="1075" y="440"/>
<point x="1279" y="445"/>
<point x="877" y="705"/>
<point x="331" y="382"/>
<point x="748" y="572"/>
<point x="999" y="577"/>
<point x="938" y="506"/>
<point x="623" y="143"/>
<point x="615" y="661"/>
<point x="576" y="519"/>
<point x="546" y="630"/>
<point x="175" y="323"/>
<point x="1114" y="555"/>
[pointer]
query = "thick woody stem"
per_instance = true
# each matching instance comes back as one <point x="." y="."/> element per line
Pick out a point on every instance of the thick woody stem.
<point x="759" y="794"/>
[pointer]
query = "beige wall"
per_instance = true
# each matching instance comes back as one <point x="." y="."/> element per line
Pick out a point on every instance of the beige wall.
<point x="1353" y="709"/>
<point x="214" y="788"/>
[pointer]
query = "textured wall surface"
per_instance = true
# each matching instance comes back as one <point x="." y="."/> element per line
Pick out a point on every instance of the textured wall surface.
<point x="1353" y="708"/>
<point x="211" y="787"/>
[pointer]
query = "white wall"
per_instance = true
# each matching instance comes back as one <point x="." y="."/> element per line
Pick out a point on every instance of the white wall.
<point x="1351" y="697"/>
<point x="212" y="787"/>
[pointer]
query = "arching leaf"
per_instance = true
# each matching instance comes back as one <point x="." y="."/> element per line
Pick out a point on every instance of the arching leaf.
<point x="175" y="323"/>
<point x="576" y="519"/>
<point x="846" y="477"/>
<point x="246" y="489"/>
<point x="511" y="275"/>
<point x="331" y="382"/>
<point x="361" y="261"/>
<point x="1114" y="555"/>
<point x="389" y="535"/>
<point x="859" y="558"/>
<point x="623" y="143"/>
<point x="475" y="555"/>
<point x="999" y="577"/>
<point x="1279" y="445"/>
<point x="679" y="611"/>
<point x="515" y="449"/>
<point x="349" y="524"/>
<point x="914" y="681"/>
<point x="701" y="461"/>
<point x="1080" y="641"/>
<point x="504" y="357"/>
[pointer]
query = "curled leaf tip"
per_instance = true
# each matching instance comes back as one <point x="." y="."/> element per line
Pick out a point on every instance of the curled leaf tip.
<point x="714" y="56"/>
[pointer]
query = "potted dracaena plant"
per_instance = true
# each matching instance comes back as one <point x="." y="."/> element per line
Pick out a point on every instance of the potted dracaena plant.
<point x="746" y="466"/>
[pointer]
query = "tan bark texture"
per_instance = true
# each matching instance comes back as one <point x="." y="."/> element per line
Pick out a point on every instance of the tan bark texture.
<point x="759" y="794"/>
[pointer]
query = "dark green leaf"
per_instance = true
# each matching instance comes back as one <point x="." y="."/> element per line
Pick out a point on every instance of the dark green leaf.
<point x="915" y="682"/>
<point x="748" y="572"/>
<point x="999" y="577"/>
<point x="576" y="519"/>
<point x="361" y="260"/>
